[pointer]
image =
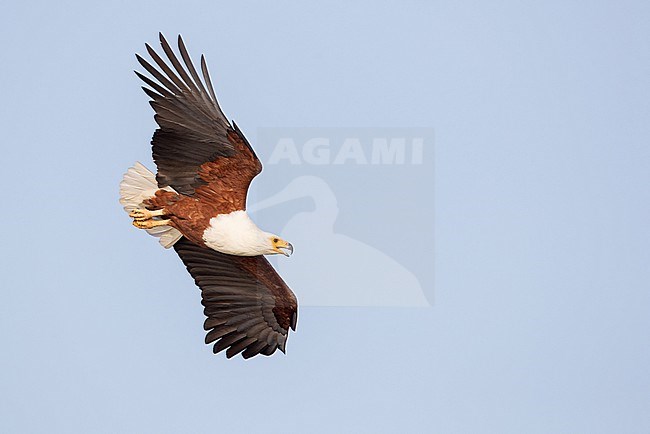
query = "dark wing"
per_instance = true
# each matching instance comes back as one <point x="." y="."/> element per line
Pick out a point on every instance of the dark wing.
<point x="248" y="305"/>
<point x="197" y="151"/>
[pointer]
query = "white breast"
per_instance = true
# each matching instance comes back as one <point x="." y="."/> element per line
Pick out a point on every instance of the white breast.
<point x="234" y="234"/>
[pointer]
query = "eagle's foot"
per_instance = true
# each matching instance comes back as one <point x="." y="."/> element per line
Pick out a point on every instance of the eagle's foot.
<point x="144" y="214"/>
<point x="148" y="224"/>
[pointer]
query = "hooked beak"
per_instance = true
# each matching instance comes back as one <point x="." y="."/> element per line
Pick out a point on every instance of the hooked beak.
<point x="286" y="250"/>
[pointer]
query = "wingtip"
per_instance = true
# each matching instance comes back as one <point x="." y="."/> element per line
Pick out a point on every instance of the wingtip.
<point x="163" y="40"/>
<point x="294" y="321"/>
<point x="141" y="60"/>
<point x="150" y="50"/>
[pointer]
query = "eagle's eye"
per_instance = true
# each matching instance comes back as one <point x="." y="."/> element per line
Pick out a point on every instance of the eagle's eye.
<point x="275" y="240"/>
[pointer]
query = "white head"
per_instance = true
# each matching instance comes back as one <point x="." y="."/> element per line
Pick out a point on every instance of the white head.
<point x="236" y="234"/>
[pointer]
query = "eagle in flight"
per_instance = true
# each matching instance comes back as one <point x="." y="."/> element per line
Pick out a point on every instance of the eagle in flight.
<point x="196" y="203"/>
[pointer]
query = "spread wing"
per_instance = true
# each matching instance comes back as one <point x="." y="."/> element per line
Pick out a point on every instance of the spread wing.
<point x="197" y="151"/>
<point x="248" y="306"/>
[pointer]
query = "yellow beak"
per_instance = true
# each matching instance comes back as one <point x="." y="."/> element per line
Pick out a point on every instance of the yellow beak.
<point x="285" y="248"/>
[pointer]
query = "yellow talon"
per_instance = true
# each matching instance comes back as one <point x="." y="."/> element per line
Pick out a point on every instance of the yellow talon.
<point x="140" y="214"/>
<point x="148" y="224"/>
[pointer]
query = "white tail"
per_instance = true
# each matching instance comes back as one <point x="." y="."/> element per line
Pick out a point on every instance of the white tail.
<point x="138" y="185"/>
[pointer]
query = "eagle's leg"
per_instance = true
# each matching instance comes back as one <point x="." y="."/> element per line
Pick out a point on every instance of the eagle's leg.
<point x="148" y="224"/>
<point x="144" y="214"/>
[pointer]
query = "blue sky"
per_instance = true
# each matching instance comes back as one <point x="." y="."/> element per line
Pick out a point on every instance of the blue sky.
<point x="530" y="238"/>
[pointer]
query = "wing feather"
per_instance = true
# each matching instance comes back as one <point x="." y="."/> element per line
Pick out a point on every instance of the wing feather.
<point x="186" y="80"/>
<point x="219" y="332"/>
<point x="206" y="77"/>
<point x="182" y="86"/>
<point x="253" y="349"/>
<point x="239" y="347"/>
<point x="227" y="341"/>
<point x="250" y="309"/>
<point x="197" y="151"/>
<point x="190" y="66"/>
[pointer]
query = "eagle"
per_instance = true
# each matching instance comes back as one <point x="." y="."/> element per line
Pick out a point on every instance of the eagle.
<point x="196" y="203"/>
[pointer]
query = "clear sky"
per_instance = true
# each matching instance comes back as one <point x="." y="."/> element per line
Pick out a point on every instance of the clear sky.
<point x="525" y="227"/>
